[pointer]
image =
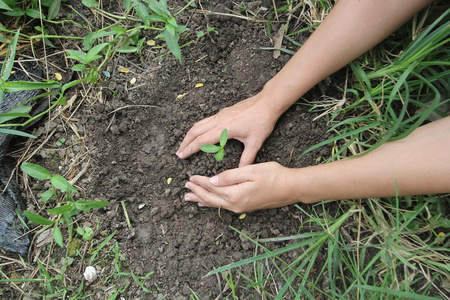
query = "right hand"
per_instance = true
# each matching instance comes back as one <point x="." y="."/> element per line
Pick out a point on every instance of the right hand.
<point x="250" y="121"/>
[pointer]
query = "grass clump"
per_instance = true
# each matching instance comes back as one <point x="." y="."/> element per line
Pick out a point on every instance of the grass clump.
<point x="393" y="248"/>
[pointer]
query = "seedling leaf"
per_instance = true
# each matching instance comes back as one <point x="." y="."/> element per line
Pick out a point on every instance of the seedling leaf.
<point x="37" y="219"/>
<point x="35" y="171"/>
<point x="223" y="138"/>
<point x="209" y="148"/>
<point x="220" y="155"/>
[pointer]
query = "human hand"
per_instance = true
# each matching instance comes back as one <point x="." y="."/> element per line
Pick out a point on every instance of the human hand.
<point x="250" y="121"/>
<point x="243" y="189"/>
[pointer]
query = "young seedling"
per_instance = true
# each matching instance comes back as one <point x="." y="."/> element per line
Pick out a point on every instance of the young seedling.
<point x="219" y="150"/>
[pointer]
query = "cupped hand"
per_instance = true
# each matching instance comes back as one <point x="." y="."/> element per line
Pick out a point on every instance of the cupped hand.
<point x="250" y="121"/>
<point x="245" y="189"/>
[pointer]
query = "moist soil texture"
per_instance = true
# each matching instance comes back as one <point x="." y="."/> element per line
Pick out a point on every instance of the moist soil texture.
<point x="121" y="138"/>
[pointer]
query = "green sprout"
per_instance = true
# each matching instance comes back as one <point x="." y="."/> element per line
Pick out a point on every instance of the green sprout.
<point x="219" y="150"/>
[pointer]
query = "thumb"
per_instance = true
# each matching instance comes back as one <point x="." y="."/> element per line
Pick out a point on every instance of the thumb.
<point x="248" y="155"/>
<point x="231" y="177"/>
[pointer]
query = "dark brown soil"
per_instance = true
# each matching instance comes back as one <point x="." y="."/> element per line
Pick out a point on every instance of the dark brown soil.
<point x="130" y="133"/>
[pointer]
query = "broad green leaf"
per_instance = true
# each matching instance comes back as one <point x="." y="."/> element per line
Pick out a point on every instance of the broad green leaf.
<point x="92" y="54"/>
<point x="53" y="11"/>
<point x="154" y="18"/>
<point x="16" y="12"/>
<point x="77" y="55"/>
<point x="171" y="39"/>
<point x="172" y="21"/>
<point x="90" y="38"/>
<point x="37" y="219"/>
<point x="118" y="30"/>
<point x="127" y="49"/>
<point x="62" y="184"/>
<point x="17" y="112"/>
<point x="61" y="210"/>
<point x="87" y="205"/>
<point x="10" y="55"/>
<point x="141" y="11"/>
<point x="220" y="155"/>
<point x="159" y="8"/>
<point x="4" y="6"/>
<point x="127" y="5"/>
<point x="16" y="132"/>
<point x="73" y="83"/>
<point x="61" y="101"/>
<point x="19" y="86"/>
<point x="47" y="195"/>
<point x="209" y="148"/>
<point x="57" y="235"/>
<point x="80" y="230"/>
<point x="35" y="171"/>
<point x="33" y="13"/>
<point x="223" y="138"/>
<point x="78" y="67"/>
<point x="90" y="3"/>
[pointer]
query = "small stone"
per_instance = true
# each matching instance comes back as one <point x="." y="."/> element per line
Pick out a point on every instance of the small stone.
<point x="90" y="274"/>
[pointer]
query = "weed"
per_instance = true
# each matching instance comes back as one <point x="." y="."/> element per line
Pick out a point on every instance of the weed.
<point x="66" y="209"/>
<point x="417" y="81"/>
<point x="219" y="150"/>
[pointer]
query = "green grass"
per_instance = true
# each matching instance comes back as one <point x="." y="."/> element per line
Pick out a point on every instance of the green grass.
<point x="369" y="249"/>
<point x="394" y="248"/>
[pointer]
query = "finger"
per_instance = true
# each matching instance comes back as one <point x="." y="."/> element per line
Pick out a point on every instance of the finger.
<point x="204" y="196"/>
<point x="210" y="137"/>
<point x="228" y="177"/>
<point x="249" y="154"/>
<point x="199" y="128"/>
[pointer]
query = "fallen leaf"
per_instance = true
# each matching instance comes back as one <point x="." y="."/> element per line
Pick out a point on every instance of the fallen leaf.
<point x="181" y="96"/>
<point x="278" y="41"/>
<point x="58" y="76"/>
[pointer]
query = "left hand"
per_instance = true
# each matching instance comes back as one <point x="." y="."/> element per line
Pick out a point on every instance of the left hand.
<point x="244" y="189"/>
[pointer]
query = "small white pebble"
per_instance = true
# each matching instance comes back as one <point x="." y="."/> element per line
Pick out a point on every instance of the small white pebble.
<point x="90" y="274"/>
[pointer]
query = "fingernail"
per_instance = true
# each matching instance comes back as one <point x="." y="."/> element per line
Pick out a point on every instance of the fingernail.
<point x="187" y="198"/>
<point x="179" y="154"/>
<point x="187" y="186"/>
<point x="214" y="180"/>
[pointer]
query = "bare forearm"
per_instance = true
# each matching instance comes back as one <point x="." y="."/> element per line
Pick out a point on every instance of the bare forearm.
<point x="418" y="164"/>
<point x="352" y="28"/>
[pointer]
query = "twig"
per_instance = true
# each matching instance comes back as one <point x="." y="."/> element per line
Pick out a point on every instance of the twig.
<point x="130" y="106"/>
<point x="208" y="12"/>
<point x="126" y="214"/>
